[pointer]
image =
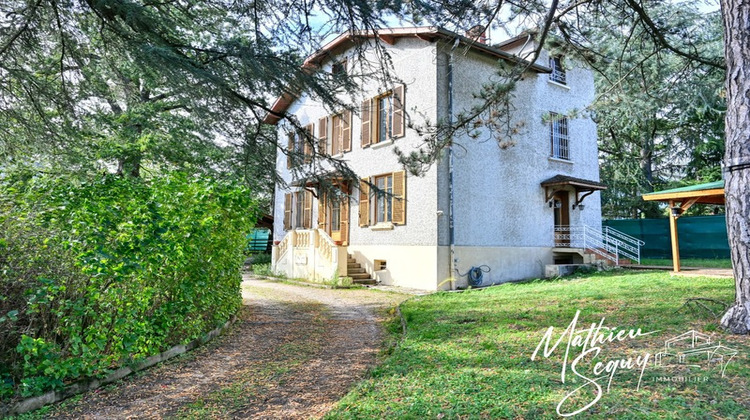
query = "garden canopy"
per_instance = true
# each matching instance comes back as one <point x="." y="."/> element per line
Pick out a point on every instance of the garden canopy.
<point x="680" y="199"/>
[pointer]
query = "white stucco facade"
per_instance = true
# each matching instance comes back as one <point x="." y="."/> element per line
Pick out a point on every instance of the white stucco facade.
<point x="501" y="215"/>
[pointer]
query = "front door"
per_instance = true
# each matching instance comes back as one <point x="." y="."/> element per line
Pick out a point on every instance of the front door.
<point x="334" y="220"/>
<point x="562" y="218"/>
<point x="333" y="217"/>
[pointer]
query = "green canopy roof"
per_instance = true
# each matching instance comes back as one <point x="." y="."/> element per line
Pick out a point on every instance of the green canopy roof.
<point x="697" y="187"/>
<point x="708" y="193"/>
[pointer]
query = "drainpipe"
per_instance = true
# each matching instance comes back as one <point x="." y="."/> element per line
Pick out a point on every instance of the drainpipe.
<point x="451" y="228"/>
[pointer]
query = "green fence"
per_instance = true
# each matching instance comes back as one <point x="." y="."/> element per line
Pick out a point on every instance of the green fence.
<point x="258" y="241"/>
<point x="700" y="236"/>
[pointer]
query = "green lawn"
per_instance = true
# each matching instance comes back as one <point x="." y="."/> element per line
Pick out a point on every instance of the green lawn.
<point x="690" y="262"/>
<point x="468" y="354"/>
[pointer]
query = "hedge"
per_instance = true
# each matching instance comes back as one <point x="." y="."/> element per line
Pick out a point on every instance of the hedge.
<point x="98" y="273"/>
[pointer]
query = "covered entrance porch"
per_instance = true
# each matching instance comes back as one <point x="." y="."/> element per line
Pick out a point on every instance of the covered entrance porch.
<point x="580" y="243"/>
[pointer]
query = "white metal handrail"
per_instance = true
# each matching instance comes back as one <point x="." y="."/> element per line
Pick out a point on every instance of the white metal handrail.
<point x="609" y="243"/>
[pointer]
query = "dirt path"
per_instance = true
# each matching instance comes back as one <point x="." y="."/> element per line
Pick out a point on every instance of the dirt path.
<point x="293" y="353"/>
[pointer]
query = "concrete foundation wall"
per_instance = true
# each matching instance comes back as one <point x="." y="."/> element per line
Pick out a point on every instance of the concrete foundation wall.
<point x="505" y="263"/>
<point x="407" y="266"/>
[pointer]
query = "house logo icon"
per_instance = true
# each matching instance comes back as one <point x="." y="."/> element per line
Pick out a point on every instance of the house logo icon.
<point x="696" y="349"/>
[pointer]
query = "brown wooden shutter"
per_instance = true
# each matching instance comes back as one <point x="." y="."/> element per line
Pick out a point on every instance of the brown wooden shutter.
<point x="399" y="122"/>
<point x="335" y="135"/>
<point x="307" y="210"/>
<point x="287" y="211"/>
<point x="364" y="204"/>
<point x="290" y="150"/>
<point x="308" y="138"/>
<point x="399" y="198"/>
<point x="346" y="131"/>
<point x="322" y="211"/>
<point x="345" y="221"/>
<point x="366" y="122"/>
<point x="323" y="135"/>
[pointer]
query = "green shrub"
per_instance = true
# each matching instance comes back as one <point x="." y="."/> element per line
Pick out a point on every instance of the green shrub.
<point x="265" y="270"/>
<point x="96" y="273"/>
<point x="261" y="259"/>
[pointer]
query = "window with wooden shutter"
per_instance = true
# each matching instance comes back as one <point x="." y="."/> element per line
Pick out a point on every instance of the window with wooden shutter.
<point x="383" y="203"/>
<point x="364" y="204"/>
<point x="289" y="150"/>
<point x="399" y="198"/>
<point x="299" y="210"/>
<point x="287" y="211"/>
<point x="366" y="110"/>
<point x="336" y="135"/>
<point x="322" y="203"/>
<point x="382" y="120"/>
<point x="399" y="121"/>
<point x="345" y="221"/>
<point x="307" y="210"/>
<point x="323" y="135"/>
<point x="346" y="131"/>
<point x="308" y="145"/>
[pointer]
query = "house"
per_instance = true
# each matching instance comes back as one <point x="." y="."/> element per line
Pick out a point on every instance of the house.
<point x="487" y="211"/>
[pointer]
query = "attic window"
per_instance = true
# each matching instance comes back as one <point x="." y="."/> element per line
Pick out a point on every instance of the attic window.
<point x="558" y="73"/>
<point x="339" y="68"/>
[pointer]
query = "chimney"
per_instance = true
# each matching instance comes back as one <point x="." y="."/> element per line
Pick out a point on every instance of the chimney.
<point x="477" y="33"/>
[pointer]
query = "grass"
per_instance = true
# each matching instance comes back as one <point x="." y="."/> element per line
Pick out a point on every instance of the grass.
<point x="690" y="262"/>
<point x="468" y="355"/>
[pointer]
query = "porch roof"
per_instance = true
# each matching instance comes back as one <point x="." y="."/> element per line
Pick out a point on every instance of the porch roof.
<point x="579" y="184"/>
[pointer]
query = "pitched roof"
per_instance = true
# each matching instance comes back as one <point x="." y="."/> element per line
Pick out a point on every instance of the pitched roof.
<point x="389" y="35"/>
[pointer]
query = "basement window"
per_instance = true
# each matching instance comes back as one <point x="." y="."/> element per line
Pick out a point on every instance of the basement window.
<point x="380" y="265"/>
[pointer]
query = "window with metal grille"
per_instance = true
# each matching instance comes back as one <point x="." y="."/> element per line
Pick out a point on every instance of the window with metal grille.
<point x="558" y="130"/>
<point x="558" y="73"/>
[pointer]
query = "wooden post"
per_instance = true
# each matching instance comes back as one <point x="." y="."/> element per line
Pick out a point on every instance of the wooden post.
<point x="673" y="236"/>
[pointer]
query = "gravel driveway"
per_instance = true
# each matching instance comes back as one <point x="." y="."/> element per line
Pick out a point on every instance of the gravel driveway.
<point x="293" y="353"/>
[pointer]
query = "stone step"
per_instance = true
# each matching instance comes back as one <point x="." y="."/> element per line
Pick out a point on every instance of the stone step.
<point x="359" y="276"/>
<point x="365" y="281"/>
<point x="357" y="270"/>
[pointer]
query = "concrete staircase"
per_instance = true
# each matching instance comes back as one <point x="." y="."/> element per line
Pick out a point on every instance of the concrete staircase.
<point x="587" y="256"/>
<point x="358" y="274"/>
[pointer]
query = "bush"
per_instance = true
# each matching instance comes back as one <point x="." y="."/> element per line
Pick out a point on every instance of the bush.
<point x="261" y="259"/>
<point x="263" y="270"/>
<point x="96" y="273"/>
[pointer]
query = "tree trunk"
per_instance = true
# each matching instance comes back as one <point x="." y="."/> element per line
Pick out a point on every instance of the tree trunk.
<point x="736" y="17"/>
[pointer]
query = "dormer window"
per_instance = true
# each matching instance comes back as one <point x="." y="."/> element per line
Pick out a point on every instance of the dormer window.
<point x="558" y="72"/>
<point x="339" y="68"/>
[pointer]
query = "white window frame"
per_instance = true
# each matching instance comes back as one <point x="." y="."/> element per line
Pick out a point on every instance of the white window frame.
<point x="384" y="199"/>
<point x="382" y="121"/>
